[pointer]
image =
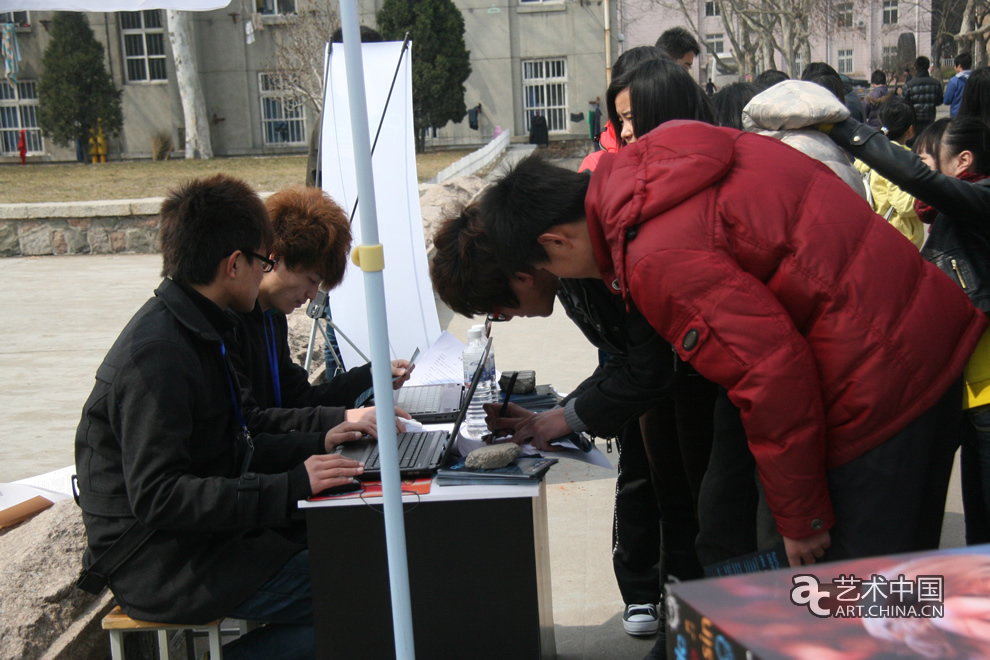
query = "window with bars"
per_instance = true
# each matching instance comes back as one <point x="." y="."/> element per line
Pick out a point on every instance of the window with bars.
<point x="283" y="118"/>
<point x="545" y="92"/>
<point x="275" y="7"/>
<point x="18" y="18"/>
<point x="711" y="8"/>
<point x="19" y="110"/>
<point x="715" y="42"/>
<point x="889" y="12"/>
<point x="845" y="60"/>
<point x="844" y="14"/>
<point x="144" y="45"/>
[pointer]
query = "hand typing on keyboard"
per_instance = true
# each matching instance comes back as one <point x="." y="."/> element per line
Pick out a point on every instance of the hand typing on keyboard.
<point x="367" y="416"/>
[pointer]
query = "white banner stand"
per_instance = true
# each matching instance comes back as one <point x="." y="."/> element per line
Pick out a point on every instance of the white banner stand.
<point x="411" y="307"/>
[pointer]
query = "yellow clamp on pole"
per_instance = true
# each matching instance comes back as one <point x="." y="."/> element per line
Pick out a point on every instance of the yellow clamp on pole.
<point x="369" y="258"/>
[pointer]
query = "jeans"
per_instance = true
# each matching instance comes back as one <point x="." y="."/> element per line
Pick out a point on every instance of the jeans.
<point x="975" y="468"/>
<point x="285" y="604"/>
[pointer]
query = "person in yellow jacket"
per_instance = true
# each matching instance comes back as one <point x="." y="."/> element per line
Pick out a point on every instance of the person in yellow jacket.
<point x="897" y="206"/>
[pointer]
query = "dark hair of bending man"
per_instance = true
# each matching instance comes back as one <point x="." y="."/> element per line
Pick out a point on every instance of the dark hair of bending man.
<point x="197" y="511"/>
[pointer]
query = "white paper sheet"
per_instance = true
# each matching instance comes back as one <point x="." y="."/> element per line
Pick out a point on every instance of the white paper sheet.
<point x="441" y="363"/>
<point x="58" y="482"/>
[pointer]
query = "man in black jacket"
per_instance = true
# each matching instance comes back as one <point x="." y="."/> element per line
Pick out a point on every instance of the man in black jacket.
<point x="924" y="93"/>
<point x="312" y="237"/>
<point x="187" y="515"/>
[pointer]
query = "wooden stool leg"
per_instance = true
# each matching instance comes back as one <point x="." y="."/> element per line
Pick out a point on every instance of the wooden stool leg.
<point x="163" y="653"/>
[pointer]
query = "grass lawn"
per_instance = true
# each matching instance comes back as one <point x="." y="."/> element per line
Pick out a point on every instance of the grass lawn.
<point x="134" y="179"/>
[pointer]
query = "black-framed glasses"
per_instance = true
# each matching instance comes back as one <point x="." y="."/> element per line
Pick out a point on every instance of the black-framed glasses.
<point x="269" y="264"/>
<point x="494" y="317"/>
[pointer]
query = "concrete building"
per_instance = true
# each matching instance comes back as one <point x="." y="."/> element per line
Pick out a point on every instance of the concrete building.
<point x="527" y="57"/>
<point x="856" y="37"/>
<point x="247" y="116"/>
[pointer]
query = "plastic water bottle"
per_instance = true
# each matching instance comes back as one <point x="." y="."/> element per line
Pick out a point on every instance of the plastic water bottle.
<point x="485" y="393"/>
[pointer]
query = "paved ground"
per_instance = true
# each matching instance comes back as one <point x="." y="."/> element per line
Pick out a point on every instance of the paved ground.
<point x="61" y="314"/>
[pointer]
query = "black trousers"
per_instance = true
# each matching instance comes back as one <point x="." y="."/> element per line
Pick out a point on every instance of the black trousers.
<point x="890" y="499"/>
<point x="662" y="458"/>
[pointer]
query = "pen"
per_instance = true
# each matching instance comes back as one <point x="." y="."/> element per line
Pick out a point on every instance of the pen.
<point x="412" y="363"/>
<point x="508" y="394"/>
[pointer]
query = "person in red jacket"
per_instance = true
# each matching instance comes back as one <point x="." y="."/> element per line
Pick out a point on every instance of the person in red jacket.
<point x="840" y="345"/>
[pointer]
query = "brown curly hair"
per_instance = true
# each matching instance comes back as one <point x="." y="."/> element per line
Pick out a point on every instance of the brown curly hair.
<point x="311" y="232"/>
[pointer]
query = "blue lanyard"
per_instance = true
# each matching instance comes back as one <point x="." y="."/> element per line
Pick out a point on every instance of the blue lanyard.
<point x="273" y="358"/>
<point x="234" y="399"/>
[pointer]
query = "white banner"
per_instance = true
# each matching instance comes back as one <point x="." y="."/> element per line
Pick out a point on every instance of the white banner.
<point x="409" y="301"/>
<point x="110" y="5"/>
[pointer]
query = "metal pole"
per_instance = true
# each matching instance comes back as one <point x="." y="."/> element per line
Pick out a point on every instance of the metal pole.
<point x="374" y="283"/>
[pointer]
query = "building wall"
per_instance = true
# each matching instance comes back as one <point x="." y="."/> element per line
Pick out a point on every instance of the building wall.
<point x="229" y="69"/>
<point x="500" y="35"/>
<point x="642" y="21"/>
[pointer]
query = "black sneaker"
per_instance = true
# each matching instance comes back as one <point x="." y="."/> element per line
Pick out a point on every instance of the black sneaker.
<point x="641" y="619"/>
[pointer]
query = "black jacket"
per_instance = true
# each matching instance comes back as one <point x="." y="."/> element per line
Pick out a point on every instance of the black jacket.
<point x="924" y="93"/>
<point x="305" y="407"/>
<point x="959" y="242"/>
<point x="640" y="368"/>
<point x="158" y="442"/>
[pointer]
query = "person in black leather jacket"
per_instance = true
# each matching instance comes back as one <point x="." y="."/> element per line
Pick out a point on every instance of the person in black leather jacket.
<point x="950" y="183"/>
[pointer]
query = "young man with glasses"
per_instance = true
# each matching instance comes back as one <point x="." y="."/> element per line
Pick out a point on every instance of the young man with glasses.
<point x="187" y="514"/>
<point x="310" y="246"/>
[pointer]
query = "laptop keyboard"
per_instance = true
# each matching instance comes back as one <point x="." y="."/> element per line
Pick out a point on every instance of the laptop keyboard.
<point x="410" y="447"/>
<point x="420" y="399"/>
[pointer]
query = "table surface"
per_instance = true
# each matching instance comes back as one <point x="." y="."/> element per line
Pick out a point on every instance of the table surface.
<point x="438" y="494"/>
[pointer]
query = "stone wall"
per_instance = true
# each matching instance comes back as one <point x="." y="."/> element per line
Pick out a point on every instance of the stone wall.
<point x="105" y="227"/>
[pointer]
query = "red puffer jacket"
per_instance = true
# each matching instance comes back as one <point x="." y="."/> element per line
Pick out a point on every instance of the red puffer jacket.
<point x="775" y="280"/>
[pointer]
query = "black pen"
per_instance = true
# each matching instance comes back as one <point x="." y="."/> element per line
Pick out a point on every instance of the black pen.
<point x="508" y="394"/>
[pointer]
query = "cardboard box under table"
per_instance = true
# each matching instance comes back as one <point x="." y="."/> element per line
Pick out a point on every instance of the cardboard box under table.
<point x="479" y="574"/>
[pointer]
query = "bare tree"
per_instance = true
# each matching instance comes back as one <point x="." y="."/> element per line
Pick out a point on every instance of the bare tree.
<point x="297" y="66"/>
<point x="198" y="143"/>
<point x="758" y="29"/>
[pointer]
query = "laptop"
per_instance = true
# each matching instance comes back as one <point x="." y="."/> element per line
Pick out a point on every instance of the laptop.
<point x="431" y="404"/>
<point x="421" y="453"/>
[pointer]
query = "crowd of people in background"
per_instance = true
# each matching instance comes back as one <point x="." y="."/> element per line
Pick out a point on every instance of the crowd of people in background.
<point x="826" y="309"/>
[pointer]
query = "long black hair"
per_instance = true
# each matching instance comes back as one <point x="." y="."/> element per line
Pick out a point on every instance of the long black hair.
<point x="729" y="102"/>
<point x="957" y="135"/>
<point x="975" y="100"/>
<point x="896" y="117"/>
<point x="659" y="90"/>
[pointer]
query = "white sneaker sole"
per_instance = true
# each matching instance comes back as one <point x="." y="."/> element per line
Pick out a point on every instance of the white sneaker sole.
<point x="637" y="628"/>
